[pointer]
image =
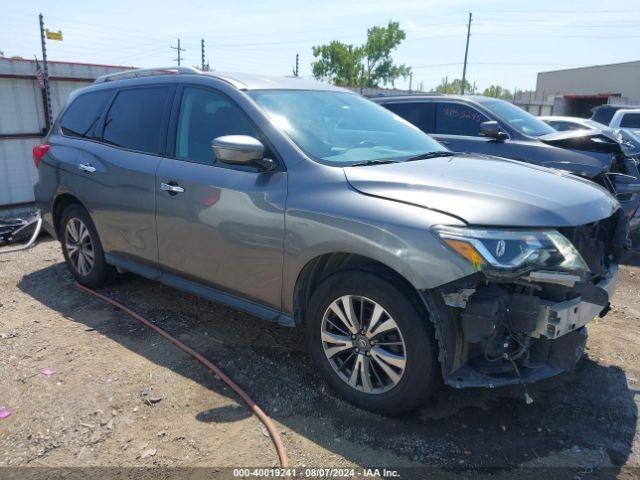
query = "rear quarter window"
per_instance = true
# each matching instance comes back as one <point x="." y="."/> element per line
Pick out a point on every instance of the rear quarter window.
<point x="136" y="118"/>
<point x="83" y="115"/>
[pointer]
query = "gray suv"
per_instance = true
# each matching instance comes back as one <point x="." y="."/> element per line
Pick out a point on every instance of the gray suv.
<point x="308" y="205"/>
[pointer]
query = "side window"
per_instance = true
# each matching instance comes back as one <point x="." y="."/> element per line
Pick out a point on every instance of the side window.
<point x="458" y="119"/>
<point x="420" y="114"/>
<point x="135" y="119"/>
<point x="205" y="115"/>
<point x="630" y="120"/>
<point x="84" y="113"/>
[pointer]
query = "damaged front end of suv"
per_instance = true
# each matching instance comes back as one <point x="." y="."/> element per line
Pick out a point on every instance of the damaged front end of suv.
<point x="522" y="316"/>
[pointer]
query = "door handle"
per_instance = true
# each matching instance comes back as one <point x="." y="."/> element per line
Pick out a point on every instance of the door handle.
<point x="87" y="167"/>
<point x="172" y="188"/>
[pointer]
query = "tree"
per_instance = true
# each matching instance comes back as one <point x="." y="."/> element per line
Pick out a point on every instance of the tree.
<point x="453" y="87"/>
<point x="377" y="50"/>
<point x="369" y="64"/>
<point x="338" y="63"/>
<point x="497" y="91"/>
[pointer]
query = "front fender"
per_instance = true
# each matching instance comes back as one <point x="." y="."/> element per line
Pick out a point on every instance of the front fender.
<point x="391" y="233"/>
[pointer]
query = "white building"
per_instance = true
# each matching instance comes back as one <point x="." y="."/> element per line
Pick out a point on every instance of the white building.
<point x="575" y="91"/>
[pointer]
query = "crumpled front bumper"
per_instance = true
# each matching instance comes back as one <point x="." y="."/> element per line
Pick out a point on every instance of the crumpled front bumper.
<point x="557" y="319"/>
<point x="557" y="342"/>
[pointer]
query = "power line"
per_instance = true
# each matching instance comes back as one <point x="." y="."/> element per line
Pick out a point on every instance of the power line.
<point x="545" y="12"/>
<point x="553" y="35"/>
<point x="151" y="40"/>
<point x="261" y="56"/>
<point x="609" y="23"/>
<point x="435" y="65"/>
<point x="506" y="64"/>
<point x="104" y="27"/>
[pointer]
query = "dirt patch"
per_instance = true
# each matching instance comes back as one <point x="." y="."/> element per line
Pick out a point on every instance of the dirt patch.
<point x="122" y="396"/>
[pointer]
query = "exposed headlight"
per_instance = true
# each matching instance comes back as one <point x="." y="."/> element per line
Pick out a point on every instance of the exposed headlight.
<point x="513" y="251"/>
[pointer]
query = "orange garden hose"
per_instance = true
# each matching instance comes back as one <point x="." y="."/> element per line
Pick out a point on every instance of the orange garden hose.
<point x="275" y="436"/>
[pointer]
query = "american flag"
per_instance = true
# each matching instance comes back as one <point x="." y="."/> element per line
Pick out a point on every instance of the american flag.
<point x="39" y="74"/>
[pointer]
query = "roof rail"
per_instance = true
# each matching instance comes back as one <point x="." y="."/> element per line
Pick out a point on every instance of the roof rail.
<point x="146" y="72"/>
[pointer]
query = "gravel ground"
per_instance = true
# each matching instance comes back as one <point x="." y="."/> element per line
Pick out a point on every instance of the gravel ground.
<point x="120" y="395"/>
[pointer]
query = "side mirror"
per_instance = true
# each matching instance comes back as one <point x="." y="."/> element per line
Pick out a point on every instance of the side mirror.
<point x="241" y="150"/>
<point x="492" y="129"/>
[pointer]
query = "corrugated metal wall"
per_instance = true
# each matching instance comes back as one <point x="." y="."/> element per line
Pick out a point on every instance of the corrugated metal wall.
<point x="17" y="172"/>
<point x="19" y="110"/>
<point x="22" y="121"/>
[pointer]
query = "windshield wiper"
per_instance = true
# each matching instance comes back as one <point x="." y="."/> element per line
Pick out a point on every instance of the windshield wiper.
<point x="372" y="162"/>
<point x="422" y="156"/>
<point x="427" y="155"/>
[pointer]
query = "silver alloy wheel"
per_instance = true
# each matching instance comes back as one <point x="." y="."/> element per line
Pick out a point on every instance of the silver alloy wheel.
<point x="79" y="246"/>
<point x="363" y="344"/>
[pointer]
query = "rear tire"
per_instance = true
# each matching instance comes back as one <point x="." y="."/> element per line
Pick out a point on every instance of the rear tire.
<point x="82" y="248"/>
<point x="395" y="356"/>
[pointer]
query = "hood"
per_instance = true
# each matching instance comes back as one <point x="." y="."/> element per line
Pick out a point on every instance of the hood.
<point x="490" y="191"/>
<point x="629" y="139"/>
<point x="605" y="140"/>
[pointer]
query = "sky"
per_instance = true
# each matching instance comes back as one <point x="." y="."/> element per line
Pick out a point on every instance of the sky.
<point x="510" y="40"/>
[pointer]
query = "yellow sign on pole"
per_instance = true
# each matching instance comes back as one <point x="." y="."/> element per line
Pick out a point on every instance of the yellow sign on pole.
<point x="53" y="35"/>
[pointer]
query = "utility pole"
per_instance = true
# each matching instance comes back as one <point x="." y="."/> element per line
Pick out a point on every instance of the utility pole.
<point x="466" y="53"/>
<point x="202" y="52"/>
<point x="45" y="68"/>
<point x="295" y="70"/>
<point x="410" y="81"/>
<point x="179" y="50"/>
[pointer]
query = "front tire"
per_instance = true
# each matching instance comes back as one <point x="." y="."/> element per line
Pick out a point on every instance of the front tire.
<point x="372" y="343"/>
<point x="82" y="249"/>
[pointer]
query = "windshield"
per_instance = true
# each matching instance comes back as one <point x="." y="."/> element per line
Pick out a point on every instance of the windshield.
<point x="340" y="128"/>
<point x="517" y="118"/>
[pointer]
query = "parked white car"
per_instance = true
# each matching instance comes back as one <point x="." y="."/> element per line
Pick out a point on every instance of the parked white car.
<point x="627" y="118"/>
<point x="563" y="124"/>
